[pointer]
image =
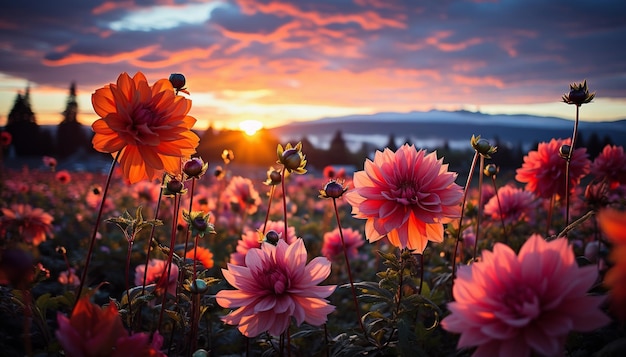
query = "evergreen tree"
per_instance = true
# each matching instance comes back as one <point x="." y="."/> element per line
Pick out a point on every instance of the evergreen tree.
<point x="71" y="136"/>
<point x="23" y="127"/>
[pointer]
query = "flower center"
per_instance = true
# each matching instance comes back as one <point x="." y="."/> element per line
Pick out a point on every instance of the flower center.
<point x="523" y="305"/>
<point x="140" y="128"/>
<point x="275" y="280"/>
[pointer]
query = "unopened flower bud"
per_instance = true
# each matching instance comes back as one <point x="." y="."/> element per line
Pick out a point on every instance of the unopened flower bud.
<point x="332" y="189"/>
<point x="291" y="159"/>
<point x="564" y="151"/>
<point x="177" y="80"/>
<point x="195" y="167"/>
<point x="482" y="146"/>
<point x="275" y="176"/>
<point x="491" y="170"/>
<point x="199" y="286"/>
<point x="174" y="186"/>
<point x="272" y="237"/>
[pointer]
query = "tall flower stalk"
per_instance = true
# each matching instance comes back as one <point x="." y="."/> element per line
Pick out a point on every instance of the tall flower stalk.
<point x="95" y="231"/>
<point x="578" y="95"/>
<point x="335" y="190"/>
<point x="491" y="171"/>
<point x="131" y="226"/>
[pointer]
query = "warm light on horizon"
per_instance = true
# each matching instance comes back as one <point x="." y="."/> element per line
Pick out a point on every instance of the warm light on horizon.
<point x="250" y="127"/>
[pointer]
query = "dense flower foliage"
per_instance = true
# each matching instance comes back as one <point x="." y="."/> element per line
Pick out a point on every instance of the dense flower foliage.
<point x="228" y="265"/>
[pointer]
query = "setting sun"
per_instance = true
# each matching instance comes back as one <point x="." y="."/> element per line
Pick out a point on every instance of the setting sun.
<point x="250" y="127"/>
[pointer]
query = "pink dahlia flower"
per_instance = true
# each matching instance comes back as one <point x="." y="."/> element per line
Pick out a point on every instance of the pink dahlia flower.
<point x="511" y="305"/>
<point x="333" y="248"/>
<point x="611" y="165"/>
<point x="543" y="170"/>
<point x="32" y="224"/>
<point x="407" y="196"/>
<point x="156" y="269"/>
<point x="511" y="204"/>
<point x="251" y="240"/>
<point x="275" y="285"/>
<point x="241" y="192"/>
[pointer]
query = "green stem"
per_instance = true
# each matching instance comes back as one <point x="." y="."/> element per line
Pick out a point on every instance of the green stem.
<point x="480" y="205"/>
<point x="465" y="191"/>
<point x="345" y="255"/>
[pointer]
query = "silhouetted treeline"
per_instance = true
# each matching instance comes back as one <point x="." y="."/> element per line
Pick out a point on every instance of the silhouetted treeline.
<point x="71" y="138"/>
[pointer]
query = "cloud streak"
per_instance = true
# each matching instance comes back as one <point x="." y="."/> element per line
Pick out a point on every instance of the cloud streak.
<point x="306" y="59"/>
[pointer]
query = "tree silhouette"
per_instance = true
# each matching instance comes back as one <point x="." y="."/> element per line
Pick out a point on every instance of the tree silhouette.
<point x="23" y="127"/>
<point x="71" y="136"/>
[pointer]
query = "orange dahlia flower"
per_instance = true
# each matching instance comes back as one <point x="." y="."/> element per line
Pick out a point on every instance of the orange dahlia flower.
<point x="148" y="125"/>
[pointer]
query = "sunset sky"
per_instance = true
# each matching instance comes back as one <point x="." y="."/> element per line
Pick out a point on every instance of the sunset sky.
<point x="278" y="61"/>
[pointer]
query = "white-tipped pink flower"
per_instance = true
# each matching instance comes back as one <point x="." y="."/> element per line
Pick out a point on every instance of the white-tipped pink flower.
<point x="407" y="196"/>
<point x="275" y="285"/>
<point x="511" y="305"/>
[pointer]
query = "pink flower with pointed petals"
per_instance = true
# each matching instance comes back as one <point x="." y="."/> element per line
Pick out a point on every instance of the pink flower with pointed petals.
<point x="611" y="165"/>
<point x="512" y="305"/>
<point x="32" y="224"/>
<point x="275" y="285"/>
<point x="251" y="240"/>
<point x="407" y="196"/>
<point x="543" y="170"/>
<point x="156" y="270"/>
<point x="333" y="248"/>
<point x="511" y="204"/>
<point x="241" y="193"/>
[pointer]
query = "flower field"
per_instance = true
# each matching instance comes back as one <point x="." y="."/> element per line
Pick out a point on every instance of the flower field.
<point x="168" y="255"/>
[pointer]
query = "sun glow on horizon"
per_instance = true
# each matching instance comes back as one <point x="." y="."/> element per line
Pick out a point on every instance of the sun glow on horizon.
<point x="250" y="127"/>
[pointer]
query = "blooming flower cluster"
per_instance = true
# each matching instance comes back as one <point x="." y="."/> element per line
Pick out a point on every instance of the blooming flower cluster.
<point x="225" y="264"/>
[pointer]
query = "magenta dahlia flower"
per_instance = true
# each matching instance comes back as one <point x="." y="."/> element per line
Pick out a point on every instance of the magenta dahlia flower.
<point x="241" y="192"/>
<point x="511" y="204"/>
<point x="275" y="285"/>
<point x="512" y="305"/>
<point x="543" y="170"/>
<point x="611" y="166"/>
<point x="407" y="196"/>
<point x="333" y="248"/>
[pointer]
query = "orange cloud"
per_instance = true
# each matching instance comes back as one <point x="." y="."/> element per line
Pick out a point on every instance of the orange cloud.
<point x="368" y="20"/>
<point x="76" y="58"/>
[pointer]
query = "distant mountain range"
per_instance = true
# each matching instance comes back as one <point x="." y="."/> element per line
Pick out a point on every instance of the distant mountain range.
<point x="432" y="128"/>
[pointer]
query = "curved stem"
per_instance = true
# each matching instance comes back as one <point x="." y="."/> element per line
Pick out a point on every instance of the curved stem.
<point x="156" y="216"/>
<point x="419" y="287"/>
<point x="170" y="257"/>
<point x="95" y="230"/>
<point x="549" y="219"/>
<point x="284" y="200"/>
<point x="345" y="255"/>
<point x="269" y="206"/>
<point x="495" y="187"/>
<point x="465" y="191"/>
<point x="130" y="310"/>
<point x="567" y="166"/>
<point x="480" y="204"/>
<point x="193" y="185"/>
